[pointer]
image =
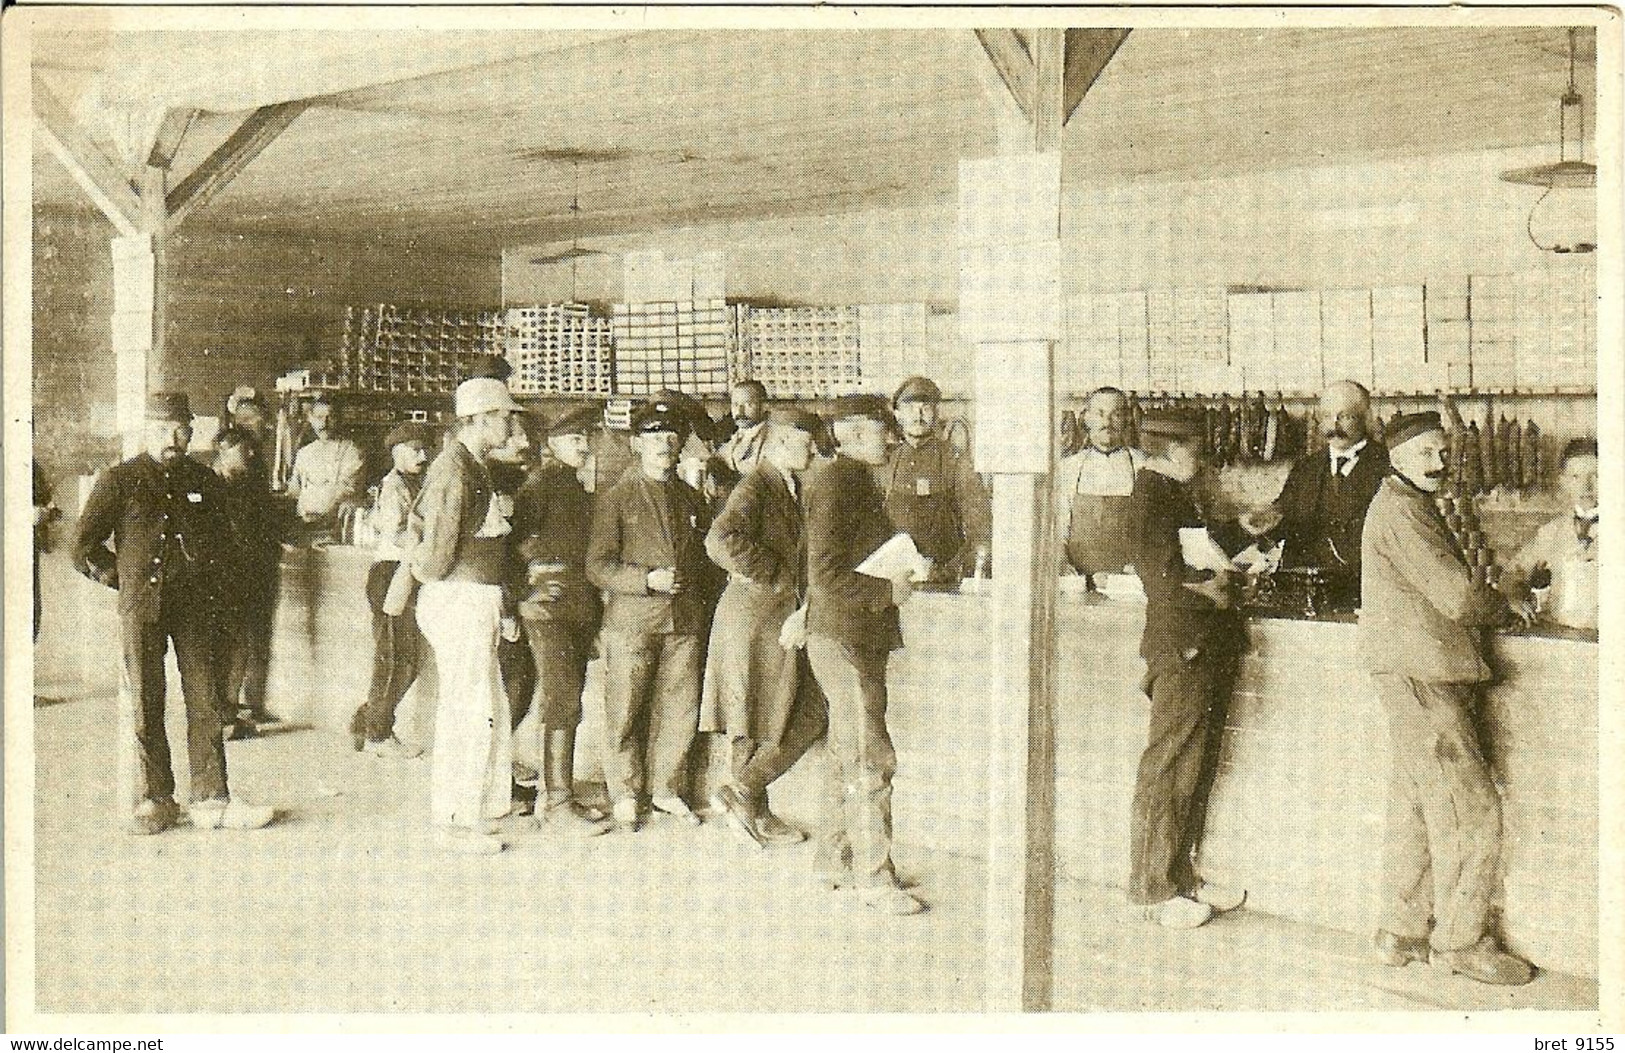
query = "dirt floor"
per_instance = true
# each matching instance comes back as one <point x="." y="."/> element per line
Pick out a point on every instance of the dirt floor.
<point x="348" y="905"/>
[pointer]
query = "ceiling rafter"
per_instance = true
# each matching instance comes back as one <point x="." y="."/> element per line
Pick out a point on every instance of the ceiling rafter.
<point x="102" y="179"/>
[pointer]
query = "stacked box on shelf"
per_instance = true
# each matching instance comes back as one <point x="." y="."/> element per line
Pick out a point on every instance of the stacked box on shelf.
<point x="681" y="344"/>
<point x="805" y="352"/>
<point x="559" y="349"/>
<point x="390" y="349"/>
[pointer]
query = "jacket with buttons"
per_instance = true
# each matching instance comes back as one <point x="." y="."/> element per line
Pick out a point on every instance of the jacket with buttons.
<point x="846" y="521"/>
<point x="168" y="531"/>
<point x="642" y="525"/>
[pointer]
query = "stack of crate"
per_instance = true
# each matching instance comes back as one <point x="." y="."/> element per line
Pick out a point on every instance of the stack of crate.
<point x="387" y="348"/>
<point x="805" y="352"/>
<point x="559" y="349"/>
<point x="680" y="344"/>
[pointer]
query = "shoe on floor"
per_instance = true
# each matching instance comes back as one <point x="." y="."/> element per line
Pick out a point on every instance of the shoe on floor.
<point x="1178" y="912"/>
<point x="243" y="728"/>
<point x="1399" y="951"/>
<point x="393" y="748"/>
<point x="471" y="842"/>
<point x="264" y="716"/>
<point x="625" y="816"/>
<point x="562" y="817"/>
<point x="677" y="808"/>
<point x="1485" y="962"/>
<point x="230" y="815"/>
<point x="889" y="899"/>
<point x="154" y="817"/>
<point x="777" y="831"/>
<point x="1222" y="898"/>
<point x="738" y="810"/>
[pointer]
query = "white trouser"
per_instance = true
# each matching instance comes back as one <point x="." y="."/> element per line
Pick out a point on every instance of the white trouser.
<point x="471" y="777"/>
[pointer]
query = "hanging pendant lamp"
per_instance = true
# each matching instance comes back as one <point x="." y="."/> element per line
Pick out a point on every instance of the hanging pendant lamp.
<point x="1564" y="220"/>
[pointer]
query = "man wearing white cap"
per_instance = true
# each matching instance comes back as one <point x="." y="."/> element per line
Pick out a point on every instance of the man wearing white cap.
<point x="462" y="562"/>
<point x="1418" y="636"/>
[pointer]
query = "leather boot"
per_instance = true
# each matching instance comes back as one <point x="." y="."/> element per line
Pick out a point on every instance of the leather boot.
<point x="558" y="771"/>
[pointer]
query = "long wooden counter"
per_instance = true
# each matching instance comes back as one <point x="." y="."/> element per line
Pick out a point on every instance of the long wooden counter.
<point x="1297" y="813"/>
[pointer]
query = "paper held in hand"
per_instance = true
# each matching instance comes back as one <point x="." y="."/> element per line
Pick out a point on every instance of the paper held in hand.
<point x="897" y="558"/>
<point x="1201" y="552"/>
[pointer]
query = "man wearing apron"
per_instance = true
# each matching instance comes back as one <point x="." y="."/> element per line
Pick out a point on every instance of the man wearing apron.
<point x="1094" y="491"/>
<point x="931" y="490"/>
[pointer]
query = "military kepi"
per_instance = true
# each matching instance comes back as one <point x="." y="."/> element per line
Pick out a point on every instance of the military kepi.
<point x="169" y="405"/>
<point x="660" y="415"/>
<point x="917" y="389"/>
<point x="1408" y="426"/>
<point x="872" y="406"/>
<point x="578" y="421"/>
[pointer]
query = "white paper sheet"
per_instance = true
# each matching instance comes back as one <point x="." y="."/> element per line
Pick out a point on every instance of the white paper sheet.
<point x="896" y="558"/>
<point x="1200" y="551"/>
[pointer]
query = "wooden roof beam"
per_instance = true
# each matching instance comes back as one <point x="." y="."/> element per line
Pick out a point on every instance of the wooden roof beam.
<point x="1087" y="53"/>
<point x="102" y="179"/>
<point x="1009" y="56"/>
<point x="216" y="172"/>
<point x="167" y="143"/>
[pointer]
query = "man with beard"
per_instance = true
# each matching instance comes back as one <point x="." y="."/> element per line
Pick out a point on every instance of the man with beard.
<point x="1418" y="636"/>
<point x="1323" y="503"/>
<point x="163" y="513"/>
<point x="932" y="492"/>
<point x="561" y="609"/>
<point x="758" y="692"/>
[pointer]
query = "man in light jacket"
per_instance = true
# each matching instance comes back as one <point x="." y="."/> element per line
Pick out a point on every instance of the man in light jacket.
<point x="1419" y="628"/>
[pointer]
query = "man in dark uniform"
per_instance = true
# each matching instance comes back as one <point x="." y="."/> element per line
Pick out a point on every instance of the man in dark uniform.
<point x="1193" y="639"/>
<point x="648" y="551"/>
<point x="932" y="491"/>
<point x="1323" y="503"/>
<point x="561" y="609"/>
<point x="852" y="628"/>
<point x="759" y="693"/>
<point x="163" y="514"/>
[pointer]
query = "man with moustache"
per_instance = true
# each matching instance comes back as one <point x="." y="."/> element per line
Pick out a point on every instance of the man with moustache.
<point x="326" y="479"/>
<point x="932" y="491"/>
<point x="852" y="628"/>
<point x="1419" y="622"/>
<point x="163" y="514"/>
<point x="758" y="692"/>
<point x="647" y="550"/>
<point x="1094" y="491"/>
<point x="560" y="608"/>
<point x="748" y="405"/>
<point x="1323" y="503"/>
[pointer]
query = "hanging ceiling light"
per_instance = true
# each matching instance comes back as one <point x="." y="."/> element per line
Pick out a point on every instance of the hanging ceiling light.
<point x="1565" y="218"/>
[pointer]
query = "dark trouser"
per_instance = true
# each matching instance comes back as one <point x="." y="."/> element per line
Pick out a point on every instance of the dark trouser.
<point x="651" y="712"/>
<point x="144" y="744"/>
<point x="864" y="762"/>
<point x="1444" y="818"/>
<point x="39" y="604"/>
<point x="397" y="647"/>
<point x="1189" y="701"/>
<point x="250" y="659"/>
<point x="518" y="677"/>
<point x="757" y="764"/>
<point x="559" y="653"/>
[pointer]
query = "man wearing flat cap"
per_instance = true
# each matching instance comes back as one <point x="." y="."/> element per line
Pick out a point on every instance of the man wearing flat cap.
<point x="758" y="692"/>
<point x="932" y="491"/>
<point x="397" y="643"/>
<point x="561" y="609"/>
<point x="462" y="562"/>
<point x="1192" y="643"/>
<point x="647" y="550"/>
<point x="1419" y="621"/>
<point x="163" y="514"/>
<point x="852" y="628"/>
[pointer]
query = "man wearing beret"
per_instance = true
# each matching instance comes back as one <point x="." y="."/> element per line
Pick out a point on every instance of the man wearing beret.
<point x="647" y="551"/>
<point x="1192" y="643"/>
<point x="561" y="609"/>
<point x="932" y="491"/>
<point x="1418" y="635"/>
<point x="758" y="692"/>
<point x="852" y="628"/>
<point x="162" y="512"/>
<point x="396" y="642"/>
<point x="462" y="562"/>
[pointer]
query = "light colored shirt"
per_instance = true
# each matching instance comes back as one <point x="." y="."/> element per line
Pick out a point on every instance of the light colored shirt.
<point x="326" y="473"/>
<point x="1571" y="558"/>
<point x="1111" y="474"/>
<point x="1343" y="463"/>
<point x="744" y="447"/>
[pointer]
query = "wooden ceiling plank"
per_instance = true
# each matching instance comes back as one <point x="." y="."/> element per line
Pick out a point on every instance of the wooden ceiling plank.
<point x="1009" y="57"/>
<point x="168" y="140"/>
<point x="102" y="179"/>
<point x="1087" y="53"/>
<point x="258" y="131"/>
